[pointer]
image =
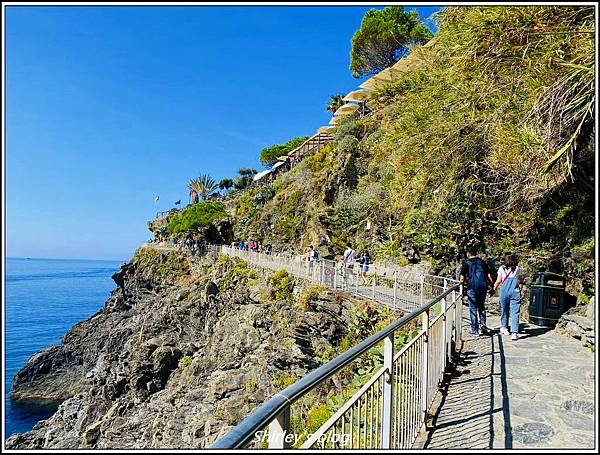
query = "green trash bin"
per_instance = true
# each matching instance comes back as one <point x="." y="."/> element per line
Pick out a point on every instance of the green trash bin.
<point x="546" y="299"/>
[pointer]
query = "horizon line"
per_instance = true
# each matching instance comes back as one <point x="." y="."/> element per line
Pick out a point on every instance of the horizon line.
<point x="62" y="259"/>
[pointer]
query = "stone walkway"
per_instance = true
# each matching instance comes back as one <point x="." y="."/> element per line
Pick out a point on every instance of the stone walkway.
<point x="537" y="392"/>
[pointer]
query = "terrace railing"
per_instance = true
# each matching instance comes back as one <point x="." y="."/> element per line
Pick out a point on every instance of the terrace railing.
<point x="390" y="407"/>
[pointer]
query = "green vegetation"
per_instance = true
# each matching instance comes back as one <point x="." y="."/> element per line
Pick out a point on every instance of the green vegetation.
<point x="335" y="102"/>
<point x="311" y="294"/>
<point x="185" y="361"/>
<point x="238" y="270"/>
<point x="203" y="186"/>
<point x="269" y="155"/>
<point x="282" y="285"/>
<point x="225" y="184"/>
<point x="251" y="386"/>
<point x="195" y="216"/>
<point x="282" y="380"/>
<point x="159" y="266"/>
<point x="464" y="147"/>
<point x="384" y="37"/>
<point x="244" y="179"/>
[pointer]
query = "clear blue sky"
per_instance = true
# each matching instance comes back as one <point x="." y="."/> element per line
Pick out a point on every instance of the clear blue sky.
<point x="108" y="107"/>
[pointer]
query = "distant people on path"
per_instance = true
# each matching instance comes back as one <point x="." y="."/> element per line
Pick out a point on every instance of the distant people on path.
<point x="268" y="248"/>
<point x="476" y="277"/>
<point x="348" y="263"/>
<point x="364" y="261"/>
<point x="509" y="280"/>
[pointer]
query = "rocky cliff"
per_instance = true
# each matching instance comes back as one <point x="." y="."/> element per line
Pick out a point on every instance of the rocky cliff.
<point x="184" y="348"/>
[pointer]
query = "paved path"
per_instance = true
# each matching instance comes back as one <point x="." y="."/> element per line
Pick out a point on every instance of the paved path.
<point x="537" y="392"/>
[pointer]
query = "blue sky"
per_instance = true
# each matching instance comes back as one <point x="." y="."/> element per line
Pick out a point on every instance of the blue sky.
<point x="108" y="107"/>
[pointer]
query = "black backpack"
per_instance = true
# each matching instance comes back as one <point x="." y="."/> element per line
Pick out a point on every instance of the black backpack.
<point x="476" y="275"/>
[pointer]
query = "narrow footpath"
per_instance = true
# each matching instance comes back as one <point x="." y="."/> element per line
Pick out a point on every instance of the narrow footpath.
<point x="536" y="392"/>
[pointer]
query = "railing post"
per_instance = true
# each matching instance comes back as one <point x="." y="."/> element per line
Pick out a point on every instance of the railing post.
<point x="279" y="430"/>
<point x="425" y="366"/>
<point x="322" y="273"/>
<point x="374" y="283"/>
<point x="395" y="286"/>
<point x="454" y="323"/>
<point x="334" y="274"/>
<point x="388" y="392"/>
<point x="444" y="304"/>
<point x="422" y="292"/>
<point x="459" y="303"/>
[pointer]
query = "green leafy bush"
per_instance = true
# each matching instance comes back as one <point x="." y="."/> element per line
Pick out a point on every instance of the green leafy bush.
<point x="310" y="295"/>
<point x="269" y="155"/>
<point x="282" y="285"/>
<point x="195" y="216"/>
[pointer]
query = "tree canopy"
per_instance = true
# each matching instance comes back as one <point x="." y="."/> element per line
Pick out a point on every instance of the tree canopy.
<point x="384" y="38"/>
<point x="195" y="216"/>
<point x="269" y="155"/>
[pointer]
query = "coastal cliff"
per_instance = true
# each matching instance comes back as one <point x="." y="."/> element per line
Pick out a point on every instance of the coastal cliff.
<point x="185" y="347"/>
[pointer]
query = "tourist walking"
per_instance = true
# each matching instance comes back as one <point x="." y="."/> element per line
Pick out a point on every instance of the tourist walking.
<point x="364" y="261"/>
<point x="268" y="248"/>
<point x="348" y="263"/>
<point x="475" y="276"/>
<point x="509" y="281"/>
<point x="312" y="257"/>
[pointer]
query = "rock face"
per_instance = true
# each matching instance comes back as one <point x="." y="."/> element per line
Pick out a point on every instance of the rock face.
<point x="174" y="358"/>
<point x="578" y="322"/>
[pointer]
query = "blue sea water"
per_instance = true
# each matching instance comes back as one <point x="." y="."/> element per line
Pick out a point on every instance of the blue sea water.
<point x="44" y="299"/>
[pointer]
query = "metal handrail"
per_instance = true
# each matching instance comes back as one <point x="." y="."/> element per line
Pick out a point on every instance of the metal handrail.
<point x="265" y="414"/>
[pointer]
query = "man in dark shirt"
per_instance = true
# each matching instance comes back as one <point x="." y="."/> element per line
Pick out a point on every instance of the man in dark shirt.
<point x="475" y="276"/>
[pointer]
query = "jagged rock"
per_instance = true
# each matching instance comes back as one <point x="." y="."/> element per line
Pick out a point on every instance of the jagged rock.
<point x="577" y="323"/>
<point x="170" y="373"/>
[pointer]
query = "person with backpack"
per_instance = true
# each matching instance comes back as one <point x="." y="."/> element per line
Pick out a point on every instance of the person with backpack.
<point x="312" y="257"/>
<point x="476" y="277"/>
<point x="509" y="281"/>
<point x="364" y="261"/>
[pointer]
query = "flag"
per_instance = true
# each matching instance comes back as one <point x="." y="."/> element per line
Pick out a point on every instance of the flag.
<point x="156" y="198"/>
<point x="178" y="202"/>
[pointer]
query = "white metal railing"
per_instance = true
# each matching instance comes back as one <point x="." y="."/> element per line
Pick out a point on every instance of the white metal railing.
<point x="390" y="408"/>
<point x="395" y="288"/>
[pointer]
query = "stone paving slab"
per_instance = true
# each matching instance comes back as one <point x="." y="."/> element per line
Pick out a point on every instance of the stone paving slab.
<point x="536" y="392"/>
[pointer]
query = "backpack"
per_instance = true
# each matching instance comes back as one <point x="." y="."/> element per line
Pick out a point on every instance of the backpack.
<point x="476" y="275"/>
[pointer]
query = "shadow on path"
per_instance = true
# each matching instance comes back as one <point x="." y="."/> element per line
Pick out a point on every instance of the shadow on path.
<point x="470" y="409"/>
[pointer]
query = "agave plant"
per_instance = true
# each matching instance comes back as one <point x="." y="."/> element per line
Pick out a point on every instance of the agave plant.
<point x="203" y="186"/>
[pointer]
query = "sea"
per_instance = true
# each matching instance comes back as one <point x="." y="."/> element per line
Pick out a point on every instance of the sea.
<point x="44" y="299"/>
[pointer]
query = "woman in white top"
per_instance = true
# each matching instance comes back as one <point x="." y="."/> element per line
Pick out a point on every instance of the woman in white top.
<point x="509" y="280"/>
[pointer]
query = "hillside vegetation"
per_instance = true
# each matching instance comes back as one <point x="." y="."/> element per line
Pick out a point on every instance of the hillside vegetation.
<point x="488" y="141"/>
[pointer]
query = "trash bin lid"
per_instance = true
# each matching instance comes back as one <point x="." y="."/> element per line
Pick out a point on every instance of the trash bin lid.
<point x="548" y="279"/>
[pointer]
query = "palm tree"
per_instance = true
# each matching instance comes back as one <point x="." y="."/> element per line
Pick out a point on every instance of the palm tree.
<point x="335" y="102"/>
<point x="203" y="186"/>
<point x="193" y="193"/>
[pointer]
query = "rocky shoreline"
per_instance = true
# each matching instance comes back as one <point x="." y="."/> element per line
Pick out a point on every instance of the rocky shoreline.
<point x="184" y="348"/>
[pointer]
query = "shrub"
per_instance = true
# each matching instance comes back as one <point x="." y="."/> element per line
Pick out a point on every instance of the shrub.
<point x="198" y="215"/>
<point x="282" y="285"/>
<point x="185" y="361"/>
<point x="310" y="294"/>
<point x="281" y="381"/>
<point x="269" y="155"/>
